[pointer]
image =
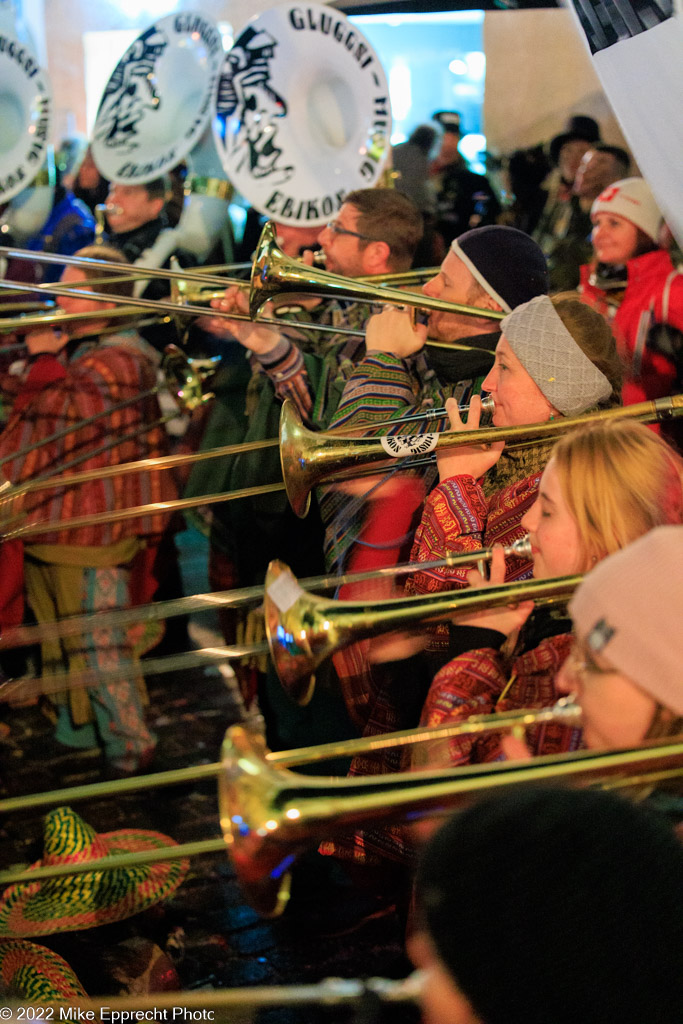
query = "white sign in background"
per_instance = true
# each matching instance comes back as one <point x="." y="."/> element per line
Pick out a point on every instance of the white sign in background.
<point x="637" y="49"/>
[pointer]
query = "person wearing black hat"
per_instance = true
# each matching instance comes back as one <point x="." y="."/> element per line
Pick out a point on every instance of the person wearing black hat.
<point x="579" y="129"/>
<point x="551" y="906"/>
<point x="566" y="152"/>
<point x="463" y="199"/>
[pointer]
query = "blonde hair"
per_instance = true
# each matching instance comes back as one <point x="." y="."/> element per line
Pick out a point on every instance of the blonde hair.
<point x="111" y="255"/>
<point x="619" y="480"/>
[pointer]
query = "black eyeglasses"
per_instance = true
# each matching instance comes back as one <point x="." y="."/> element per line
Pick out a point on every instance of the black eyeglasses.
<point x="332" y="225"/>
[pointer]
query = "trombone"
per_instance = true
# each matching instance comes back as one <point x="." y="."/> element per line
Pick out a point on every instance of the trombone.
<point x="310" y="459"/>
<point x="74" y="625"/>
<point x="272" y="274"/>
<point x="304" y="630"/>
<point x="269" y="814"/>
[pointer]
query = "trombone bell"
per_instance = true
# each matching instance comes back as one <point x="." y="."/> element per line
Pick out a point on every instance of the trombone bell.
<point x="270" y="815"/>
<point x="274" y="273"/>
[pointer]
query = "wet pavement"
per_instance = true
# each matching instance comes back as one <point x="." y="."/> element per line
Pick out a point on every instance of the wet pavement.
<point x="206" y="936"/>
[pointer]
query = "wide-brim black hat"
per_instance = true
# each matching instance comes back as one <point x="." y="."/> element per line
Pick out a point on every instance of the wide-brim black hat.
<point x="578" y="127"/>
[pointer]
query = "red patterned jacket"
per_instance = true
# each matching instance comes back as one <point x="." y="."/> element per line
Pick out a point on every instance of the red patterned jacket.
<point x="61" y="392"/>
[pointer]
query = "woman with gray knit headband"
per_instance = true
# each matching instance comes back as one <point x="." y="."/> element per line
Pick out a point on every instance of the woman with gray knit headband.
<point x="556" y="357"/>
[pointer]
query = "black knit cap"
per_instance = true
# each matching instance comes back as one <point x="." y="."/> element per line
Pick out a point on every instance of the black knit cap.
<point x="558" y="906"/>
<point x="506" y="262"/>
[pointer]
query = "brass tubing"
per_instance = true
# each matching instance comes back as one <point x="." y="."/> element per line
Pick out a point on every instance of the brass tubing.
<point x="303" y="803"/>
<point x="119" y="860"/>
<point x="48" y="482"/>
<point x="138" y="466"/>
<point x="178" y="504"/>
<point x="95" y="790"/>
<point x="234" y="1005"/>
<point x="25" y="688"/>
<point x="153" y="508"/>
<point x="85" y="261"/>
<point x="269" y="815"/>
<point x="565" y="710"/>
<point x="59" y="434"/>
<point x="20" y="636"/>
<point x="159" y="304"/>
<point x="169" y="461"/>
<point x="58" y="319"/>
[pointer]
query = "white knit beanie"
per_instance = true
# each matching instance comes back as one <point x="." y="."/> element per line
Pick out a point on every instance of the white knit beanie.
<point x="632" y="199"/>
<point x="629" y="608"/>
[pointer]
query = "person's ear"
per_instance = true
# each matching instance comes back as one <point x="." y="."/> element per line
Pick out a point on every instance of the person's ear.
<point x="375" y="257"/>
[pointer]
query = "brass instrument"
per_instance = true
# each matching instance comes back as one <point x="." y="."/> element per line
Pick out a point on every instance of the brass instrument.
<point x="270" y="815"/>
<point x="59" y="318"/>
<point x="240" y="1005"/>
<point x="303" y="630"/>
<point x="274" y="273"/>
<point x="310" y="459"/>
<point x="75" y="625"/>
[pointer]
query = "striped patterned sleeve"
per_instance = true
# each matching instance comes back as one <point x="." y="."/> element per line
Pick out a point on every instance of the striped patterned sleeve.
<point x="286" y="368"/>
<point x="380" y="385"/>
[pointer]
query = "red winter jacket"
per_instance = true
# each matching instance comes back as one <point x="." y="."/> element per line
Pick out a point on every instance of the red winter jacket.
<point x="654" y="294"/>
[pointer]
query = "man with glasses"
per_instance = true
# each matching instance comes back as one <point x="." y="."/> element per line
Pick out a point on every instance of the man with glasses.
<point x="375" y="232"/>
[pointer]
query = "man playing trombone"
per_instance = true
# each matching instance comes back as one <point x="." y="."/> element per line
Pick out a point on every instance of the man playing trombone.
<point x="90" y="403"/>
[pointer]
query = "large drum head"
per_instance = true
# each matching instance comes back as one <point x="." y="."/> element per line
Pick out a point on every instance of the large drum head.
<point x="158" y="100"/>
<point x="303" y="113"/>
<point x="25" y="114"/>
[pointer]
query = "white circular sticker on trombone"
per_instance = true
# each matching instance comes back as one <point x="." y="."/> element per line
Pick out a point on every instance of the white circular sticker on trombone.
<point x="303" y="114"/>
<point x="158" y="100"/>
<point x="25" y="116"/>
<point x="409" y="444"/>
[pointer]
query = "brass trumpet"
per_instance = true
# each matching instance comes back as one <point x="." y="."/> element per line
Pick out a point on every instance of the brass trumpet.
<point x="303" y="630"/>
<point x="310" y="459"/>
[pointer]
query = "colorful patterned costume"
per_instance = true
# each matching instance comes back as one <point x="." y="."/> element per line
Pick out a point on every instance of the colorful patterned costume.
<point x="96" y="566"/>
